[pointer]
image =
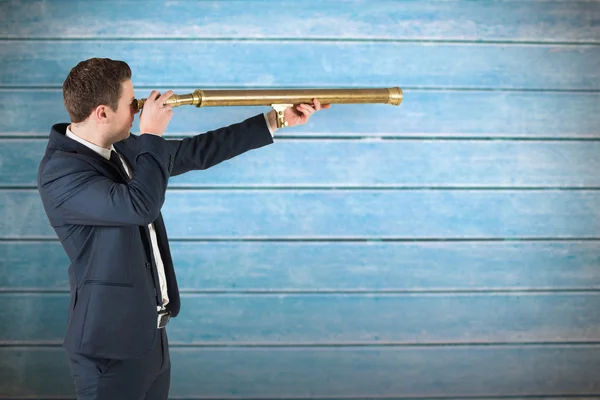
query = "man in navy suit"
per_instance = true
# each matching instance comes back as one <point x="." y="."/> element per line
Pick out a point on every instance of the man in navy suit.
<point x="102" y="189"/>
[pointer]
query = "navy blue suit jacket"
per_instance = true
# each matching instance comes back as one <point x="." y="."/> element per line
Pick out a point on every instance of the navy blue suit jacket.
<point x="102" y="222"/>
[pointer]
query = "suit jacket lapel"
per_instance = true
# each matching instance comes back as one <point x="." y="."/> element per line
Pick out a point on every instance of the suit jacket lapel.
<point x="124" y="149"/>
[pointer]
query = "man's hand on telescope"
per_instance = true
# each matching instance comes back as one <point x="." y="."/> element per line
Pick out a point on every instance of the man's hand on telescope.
<point x="297" y="115"/>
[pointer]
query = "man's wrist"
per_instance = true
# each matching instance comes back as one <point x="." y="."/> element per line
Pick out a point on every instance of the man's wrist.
<point x="271" y="119"/>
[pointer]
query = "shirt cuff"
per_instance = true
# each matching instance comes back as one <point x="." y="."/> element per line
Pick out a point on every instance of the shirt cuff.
<point x="268" y="124"/>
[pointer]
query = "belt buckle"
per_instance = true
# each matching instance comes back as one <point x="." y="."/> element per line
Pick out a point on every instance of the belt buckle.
<point x="163" y="318"/>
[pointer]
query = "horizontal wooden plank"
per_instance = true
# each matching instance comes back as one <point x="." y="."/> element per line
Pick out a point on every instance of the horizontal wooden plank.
<point x="422" y="113"/>
<point x="572" y="21"/>
<point x="356" y="163"/>
<point x="332" y="64"/>
<point x="338" y="372"/>
<point x="338" y="266"/>
<point x="348" y="214"/>
<point x="517" y="397"/>
<point x="340" y="318"/>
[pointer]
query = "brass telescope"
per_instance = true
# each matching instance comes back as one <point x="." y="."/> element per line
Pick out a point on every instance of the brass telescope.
<point x="280" y="99"/>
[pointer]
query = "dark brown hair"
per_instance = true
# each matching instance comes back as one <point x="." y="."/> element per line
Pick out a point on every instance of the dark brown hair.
<point x="94" y="82"/>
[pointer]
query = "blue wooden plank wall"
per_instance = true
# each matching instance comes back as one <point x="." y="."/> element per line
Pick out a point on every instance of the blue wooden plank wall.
<point x="445" y="249"/>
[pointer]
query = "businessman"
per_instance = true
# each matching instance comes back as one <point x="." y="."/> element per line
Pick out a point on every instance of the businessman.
<point x="102" y="189"/>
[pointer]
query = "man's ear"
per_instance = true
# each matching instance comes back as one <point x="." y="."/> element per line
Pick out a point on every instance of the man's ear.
<point x="101" y="114"/>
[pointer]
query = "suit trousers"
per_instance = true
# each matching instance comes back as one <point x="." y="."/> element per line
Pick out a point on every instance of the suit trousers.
<point x="145" y="378"/>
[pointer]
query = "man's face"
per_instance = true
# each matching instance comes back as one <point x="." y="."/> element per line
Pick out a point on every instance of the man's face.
<point x="122" y="120"/>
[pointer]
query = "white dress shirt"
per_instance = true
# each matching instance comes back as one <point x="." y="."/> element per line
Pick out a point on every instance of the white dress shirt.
<point x="155" y="250"/>
<point x="271" y="130"/>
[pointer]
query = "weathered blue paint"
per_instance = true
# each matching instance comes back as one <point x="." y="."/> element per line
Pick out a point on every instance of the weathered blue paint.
<point x="446" y="248"/>
<point x="570" y="21"/>
<point x="342" y="372"/>
<point x="369" y="163"/>
<point x="450" y="113"/>
<point x="340" y="267"/>
<point x="341" y="319"/>
<point x="348" y="214"/>
<point x="331" y="64"/>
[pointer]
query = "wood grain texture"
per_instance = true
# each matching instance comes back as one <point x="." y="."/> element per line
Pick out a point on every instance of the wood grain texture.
<point x="570" y="21"/>
<point x="422" y="113"/>
<point x="370" y="163"/>
<point x="407" y="214"/>
<point x="446" y="248"/>
<point x="332" y="64"/>
<point x="403" y="372"/>
<point x="340" y="318"/>
<point x="338" y="266"/>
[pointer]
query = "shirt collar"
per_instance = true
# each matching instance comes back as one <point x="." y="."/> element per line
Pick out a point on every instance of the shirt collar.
<point x="100" y="150"/>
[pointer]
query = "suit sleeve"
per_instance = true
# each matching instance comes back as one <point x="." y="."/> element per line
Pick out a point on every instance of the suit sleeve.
<point x="211" y="148"/>
<point x="74" y="192"/>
